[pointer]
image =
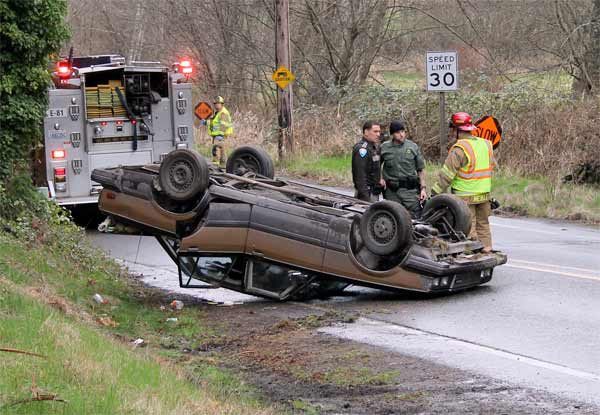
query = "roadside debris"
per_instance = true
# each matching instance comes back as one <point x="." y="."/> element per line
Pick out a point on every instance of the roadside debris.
<point x="138" y="343"/>
<point x="38" y="395"/>
<point x="99" y="299"/>
<point x="107" y="321"/>
<point x="177" y="305"/>
<point x="106" y="225"/>
<point x="172" y="319"/>
<point x="11" y="350"/>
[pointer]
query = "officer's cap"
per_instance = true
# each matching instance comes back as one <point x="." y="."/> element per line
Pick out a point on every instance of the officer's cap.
<point x="396" y="126"/>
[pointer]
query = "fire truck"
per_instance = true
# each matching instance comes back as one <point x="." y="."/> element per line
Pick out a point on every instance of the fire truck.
<point x="104" y="112"/>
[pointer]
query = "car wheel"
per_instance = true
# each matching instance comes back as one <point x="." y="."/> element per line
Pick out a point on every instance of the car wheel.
<point x="183" y="175"/>
<point x="386" y="228"/>
<point x="450" y="208"/>
<point x="250" y="159"/>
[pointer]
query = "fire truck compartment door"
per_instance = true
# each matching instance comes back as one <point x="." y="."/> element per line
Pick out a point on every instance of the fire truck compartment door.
<point x="130" y="158"/>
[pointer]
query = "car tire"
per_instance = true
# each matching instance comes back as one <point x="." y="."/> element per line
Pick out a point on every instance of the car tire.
<point x="183" y="175"/>
<point x="386" y="228"/>
<point x="458" y="214"/>
<point x="250" y="159"/>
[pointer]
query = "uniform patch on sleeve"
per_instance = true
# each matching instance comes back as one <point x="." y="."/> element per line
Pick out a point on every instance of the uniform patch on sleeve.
<point x="362" y="152"/>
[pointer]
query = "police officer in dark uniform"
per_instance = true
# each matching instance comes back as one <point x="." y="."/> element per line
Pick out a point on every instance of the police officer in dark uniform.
<point x="366" y="169"/>
<point x="403" y="170"/>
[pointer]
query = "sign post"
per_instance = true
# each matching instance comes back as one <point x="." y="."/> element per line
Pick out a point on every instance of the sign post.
<point x="283" y="77"/>
<point x="442" y="76"/>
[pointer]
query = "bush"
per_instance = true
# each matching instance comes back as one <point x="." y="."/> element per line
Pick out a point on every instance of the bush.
<point x="545" y="132"/>
<point x="30" y="32"/>
<point x="31" y="218"/>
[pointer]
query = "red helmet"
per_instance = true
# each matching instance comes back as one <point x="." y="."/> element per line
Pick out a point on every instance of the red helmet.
<point x="462" y="121"/>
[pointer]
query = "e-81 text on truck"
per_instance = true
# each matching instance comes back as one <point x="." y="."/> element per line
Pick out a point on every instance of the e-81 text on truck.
<point x="103" y="113"/>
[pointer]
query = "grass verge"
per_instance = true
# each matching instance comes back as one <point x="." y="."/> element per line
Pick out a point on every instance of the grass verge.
<point x="531" y="196"/>
<point x="46" y="308"/>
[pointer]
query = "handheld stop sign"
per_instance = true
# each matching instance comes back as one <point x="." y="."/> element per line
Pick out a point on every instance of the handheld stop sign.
<point x="489" y="128"/>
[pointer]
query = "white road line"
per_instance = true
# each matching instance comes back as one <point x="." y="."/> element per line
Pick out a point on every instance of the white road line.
<point x="522" y="261"/>
<point x="553" y="271"/>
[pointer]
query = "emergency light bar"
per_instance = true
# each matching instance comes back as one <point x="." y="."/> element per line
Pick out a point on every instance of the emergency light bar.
<point x="184" y="66"/>
<point x="63" y="69"/>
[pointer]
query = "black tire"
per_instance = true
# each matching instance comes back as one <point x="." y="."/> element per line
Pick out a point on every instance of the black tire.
<point x="183" y="175"/>
<point x="386" y="228"/>
<point x="250" y="159"/>
<point x="457" y="212"/>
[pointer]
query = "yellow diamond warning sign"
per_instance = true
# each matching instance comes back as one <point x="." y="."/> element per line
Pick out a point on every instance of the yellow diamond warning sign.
<point x="283" y="76"/>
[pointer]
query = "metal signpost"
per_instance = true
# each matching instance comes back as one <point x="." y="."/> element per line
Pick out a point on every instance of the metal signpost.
<point x="442" y="76"/>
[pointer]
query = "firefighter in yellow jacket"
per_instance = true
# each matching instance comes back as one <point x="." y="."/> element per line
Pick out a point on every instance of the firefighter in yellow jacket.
<point x="219" y="128"/>
<point x="468" y="170"/>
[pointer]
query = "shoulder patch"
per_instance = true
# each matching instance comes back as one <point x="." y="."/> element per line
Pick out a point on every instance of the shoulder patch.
<point x="362" y="152"/>
<point x="365" y="144"/>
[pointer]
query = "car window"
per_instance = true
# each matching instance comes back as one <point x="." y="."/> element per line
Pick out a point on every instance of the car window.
<point x="273" y="280"/>
<point x="214" y="268"/>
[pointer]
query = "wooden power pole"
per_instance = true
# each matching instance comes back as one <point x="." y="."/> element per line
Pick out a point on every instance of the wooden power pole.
<point x="284" y="96"/>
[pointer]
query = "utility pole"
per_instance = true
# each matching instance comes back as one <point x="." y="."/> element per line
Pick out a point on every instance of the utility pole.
<point x="284" y="96"/>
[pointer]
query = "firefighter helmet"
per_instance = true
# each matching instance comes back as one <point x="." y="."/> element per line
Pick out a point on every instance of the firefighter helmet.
<point x="462" y="121"/>
<point x="219" y="100"/>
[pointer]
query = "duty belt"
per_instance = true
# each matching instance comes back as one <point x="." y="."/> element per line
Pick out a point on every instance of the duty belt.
<point x="408" y="184"/>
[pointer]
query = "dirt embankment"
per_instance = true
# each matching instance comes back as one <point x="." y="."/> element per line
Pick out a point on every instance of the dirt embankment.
<point x="277" y="348"/>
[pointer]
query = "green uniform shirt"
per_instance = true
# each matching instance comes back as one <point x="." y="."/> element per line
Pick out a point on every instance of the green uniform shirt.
<point x="401" y="161"/>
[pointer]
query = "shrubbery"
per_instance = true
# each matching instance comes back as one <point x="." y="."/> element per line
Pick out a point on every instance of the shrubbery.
<point x="30" y="217"/>
<point x="31" y="31"/>
<point x="546" y="132"/>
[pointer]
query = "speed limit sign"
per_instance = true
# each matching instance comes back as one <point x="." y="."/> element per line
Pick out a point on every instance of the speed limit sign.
<point x="442" y="71"/>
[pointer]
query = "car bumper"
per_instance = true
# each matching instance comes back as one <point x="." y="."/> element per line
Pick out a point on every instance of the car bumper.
<point x="440" y="276"/>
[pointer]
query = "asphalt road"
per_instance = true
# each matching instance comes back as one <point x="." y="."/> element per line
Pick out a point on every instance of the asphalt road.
<point x="536" y="324"/>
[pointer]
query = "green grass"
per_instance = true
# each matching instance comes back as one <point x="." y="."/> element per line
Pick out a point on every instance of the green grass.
<point x="93" y="366"/>
<point x="532" y="196"/>
<point x="305" y="407"/>
<point x="558" y="81"/>
<point x="92" y="373"/>
<point x="551" y="81"/>
<point x="325" y="169"/>
<point x="403" y="80"/>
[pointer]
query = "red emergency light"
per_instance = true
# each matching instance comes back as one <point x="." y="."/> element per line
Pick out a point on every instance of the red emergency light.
<point x="186" y="67"/>
<point x="58" y="154"/>
<point x="60" y="171"/>
<point x="63" y="69"/>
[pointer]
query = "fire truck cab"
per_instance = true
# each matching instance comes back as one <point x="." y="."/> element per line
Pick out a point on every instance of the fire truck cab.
<point x="105" y="113"/>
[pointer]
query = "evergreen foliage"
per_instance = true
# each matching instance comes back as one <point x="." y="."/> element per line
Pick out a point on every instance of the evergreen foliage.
<point x="31" y="32"/>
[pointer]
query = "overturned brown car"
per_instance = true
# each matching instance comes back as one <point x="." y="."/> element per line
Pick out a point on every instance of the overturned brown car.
<point x="242" y="229"/>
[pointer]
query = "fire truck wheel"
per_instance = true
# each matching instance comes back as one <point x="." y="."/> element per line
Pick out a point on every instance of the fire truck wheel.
<point x="183" y="175"/>
<point x="448" y="208"/>
<point x="250" y="159"/>
<point x="386" y="228"/>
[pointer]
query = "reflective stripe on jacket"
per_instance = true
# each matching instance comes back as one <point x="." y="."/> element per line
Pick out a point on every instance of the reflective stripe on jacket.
<point x="220" y="124"/>
<point x="476" y="176"/>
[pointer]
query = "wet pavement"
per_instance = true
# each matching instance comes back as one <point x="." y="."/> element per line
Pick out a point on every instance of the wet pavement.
<point x="536" y="324"/>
